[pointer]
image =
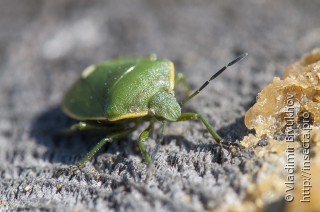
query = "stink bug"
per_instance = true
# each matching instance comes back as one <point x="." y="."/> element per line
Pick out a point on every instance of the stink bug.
<point x="117" y="95"/>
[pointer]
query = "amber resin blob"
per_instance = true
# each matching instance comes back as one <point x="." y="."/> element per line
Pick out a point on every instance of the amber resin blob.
<point x="288" y="101"/>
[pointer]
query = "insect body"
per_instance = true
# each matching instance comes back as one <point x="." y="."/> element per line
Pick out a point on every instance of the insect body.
<point x="110" y="95"/>
<point x="123" y="89"/>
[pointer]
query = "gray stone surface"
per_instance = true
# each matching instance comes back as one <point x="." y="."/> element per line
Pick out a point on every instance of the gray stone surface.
<point x="44" y="46"/>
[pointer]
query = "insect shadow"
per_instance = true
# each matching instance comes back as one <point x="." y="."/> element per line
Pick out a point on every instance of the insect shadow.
<point x="234" y="131"/>
<point x="188" y="146"/>
<point x="237" y="130"/>
<point x="70" y="149"/>
<point x="61" y="149"/>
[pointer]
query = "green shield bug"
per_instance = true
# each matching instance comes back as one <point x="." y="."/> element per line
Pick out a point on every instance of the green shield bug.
<point x="117" y="95"/>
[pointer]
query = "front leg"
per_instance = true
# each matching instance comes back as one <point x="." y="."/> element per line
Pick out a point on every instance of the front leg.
<point x="142" y="138"/>
<point x="195" y="116"/>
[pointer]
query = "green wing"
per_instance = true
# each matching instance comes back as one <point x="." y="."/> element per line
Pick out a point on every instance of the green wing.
<point x="118" y="89"/>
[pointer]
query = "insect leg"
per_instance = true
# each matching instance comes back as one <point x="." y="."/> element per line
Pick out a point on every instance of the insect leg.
<point x="181" y="79"/>
<point x="100" y="144"/>
<point x="195" y="116"/>
<point x="142" y="138"/>
<point x="80" y="164"/>
<point x="86" y="126"/>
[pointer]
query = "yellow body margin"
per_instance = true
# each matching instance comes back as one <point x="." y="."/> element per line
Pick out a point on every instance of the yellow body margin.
<point x="126" y="116"/>
<point x="129" y="116"/>
<point x="171" y="77"/>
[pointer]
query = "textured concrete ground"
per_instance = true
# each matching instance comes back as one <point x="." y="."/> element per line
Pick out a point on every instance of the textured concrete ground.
<point x="44" y="46"/>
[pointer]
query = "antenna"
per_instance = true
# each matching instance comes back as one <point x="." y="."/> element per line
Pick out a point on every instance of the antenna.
<point x="214" y="76"/>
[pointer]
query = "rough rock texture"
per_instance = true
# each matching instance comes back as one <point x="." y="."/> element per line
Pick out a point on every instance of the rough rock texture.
<point x="44" y="46"/>
<point x="295" y="97"/>
<point x="286" y="118"/>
